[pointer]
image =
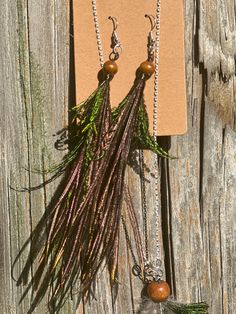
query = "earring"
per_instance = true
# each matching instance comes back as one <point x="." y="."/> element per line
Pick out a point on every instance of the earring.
<point x="61" y="240"/>
<point x="147" y="267"/>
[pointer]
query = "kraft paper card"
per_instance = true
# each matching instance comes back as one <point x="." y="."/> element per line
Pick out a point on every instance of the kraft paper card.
<point x="132" y="30"/>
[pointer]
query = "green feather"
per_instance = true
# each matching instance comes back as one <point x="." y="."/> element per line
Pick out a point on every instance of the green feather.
<point x="142" y="137"/>
<point x="85" y="116"/>
<point x="192" y="308"/>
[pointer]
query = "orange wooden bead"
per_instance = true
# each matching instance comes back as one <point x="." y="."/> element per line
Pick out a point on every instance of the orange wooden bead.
<point x="147" y="68"/>
<point x="110" y="67"/>
<point x="158" y="291"/>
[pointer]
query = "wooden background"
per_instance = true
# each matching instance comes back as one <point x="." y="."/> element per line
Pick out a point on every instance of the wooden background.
<point x="198" y="189"/>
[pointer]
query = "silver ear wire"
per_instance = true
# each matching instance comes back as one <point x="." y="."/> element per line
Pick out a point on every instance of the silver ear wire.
<point x="152" y="21"/>
<point x="115" y="42"/>
<point x="151" y="40"/>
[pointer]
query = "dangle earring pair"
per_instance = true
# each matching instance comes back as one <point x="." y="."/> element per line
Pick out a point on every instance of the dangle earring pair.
<point x="80" y="229"/>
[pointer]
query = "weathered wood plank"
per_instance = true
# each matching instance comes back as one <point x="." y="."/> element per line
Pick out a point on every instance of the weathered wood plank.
<point x="34" y="95"/>
<point x="198" y="189"/>
<point x="202" y="223"/>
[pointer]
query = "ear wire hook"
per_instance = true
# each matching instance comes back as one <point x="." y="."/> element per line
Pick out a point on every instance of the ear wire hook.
<point x="114" y="22"/>
<point x="151" y="40"/>
<point x="152" y="21"/>
<point x="115" y="42"/>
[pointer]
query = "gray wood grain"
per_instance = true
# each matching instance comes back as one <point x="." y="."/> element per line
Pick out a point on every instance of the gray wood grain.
<point x="202" y="218"/>
<point x="198" y="188"/>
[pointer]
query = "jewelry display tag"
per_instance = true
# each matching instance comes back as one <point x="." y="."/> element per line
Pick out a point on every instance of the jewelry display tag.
<point x="133" y="30"/>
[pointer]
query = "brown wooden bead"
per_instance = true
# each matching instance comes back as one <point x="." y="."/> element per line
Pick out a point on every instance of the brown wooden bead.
<point x="147" y="68"/>
<point x="110" y="68"/>
<point x="158" y="291"/>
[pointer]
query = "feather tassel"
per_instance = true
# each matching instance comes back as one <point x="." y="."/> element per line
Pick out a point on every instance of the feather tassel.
<point x="54" y="231"/>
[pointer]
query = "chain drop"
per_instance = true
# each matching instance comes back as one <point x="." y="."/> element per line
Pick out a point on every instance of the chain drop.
<point x="97" y="30"/>
<point x="158" y="261"/>
<point x="155" y="109"/>
<point x="144" y="203"/>
<point x="155" y="268"/>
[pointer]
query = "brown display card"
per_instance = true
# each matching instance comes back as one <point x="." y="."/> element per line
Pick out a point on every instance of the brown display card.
<point x="132" y="30"/>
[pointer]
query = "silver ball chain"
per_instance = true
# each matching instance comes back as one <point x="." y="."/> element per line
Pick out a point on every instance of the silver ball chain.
<point x="97" y="30"/>
<point x="155" y="109"/>
<point x="156" y="75"/>
<point x="144" y="205"/>
<point x="154" y="267"/>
